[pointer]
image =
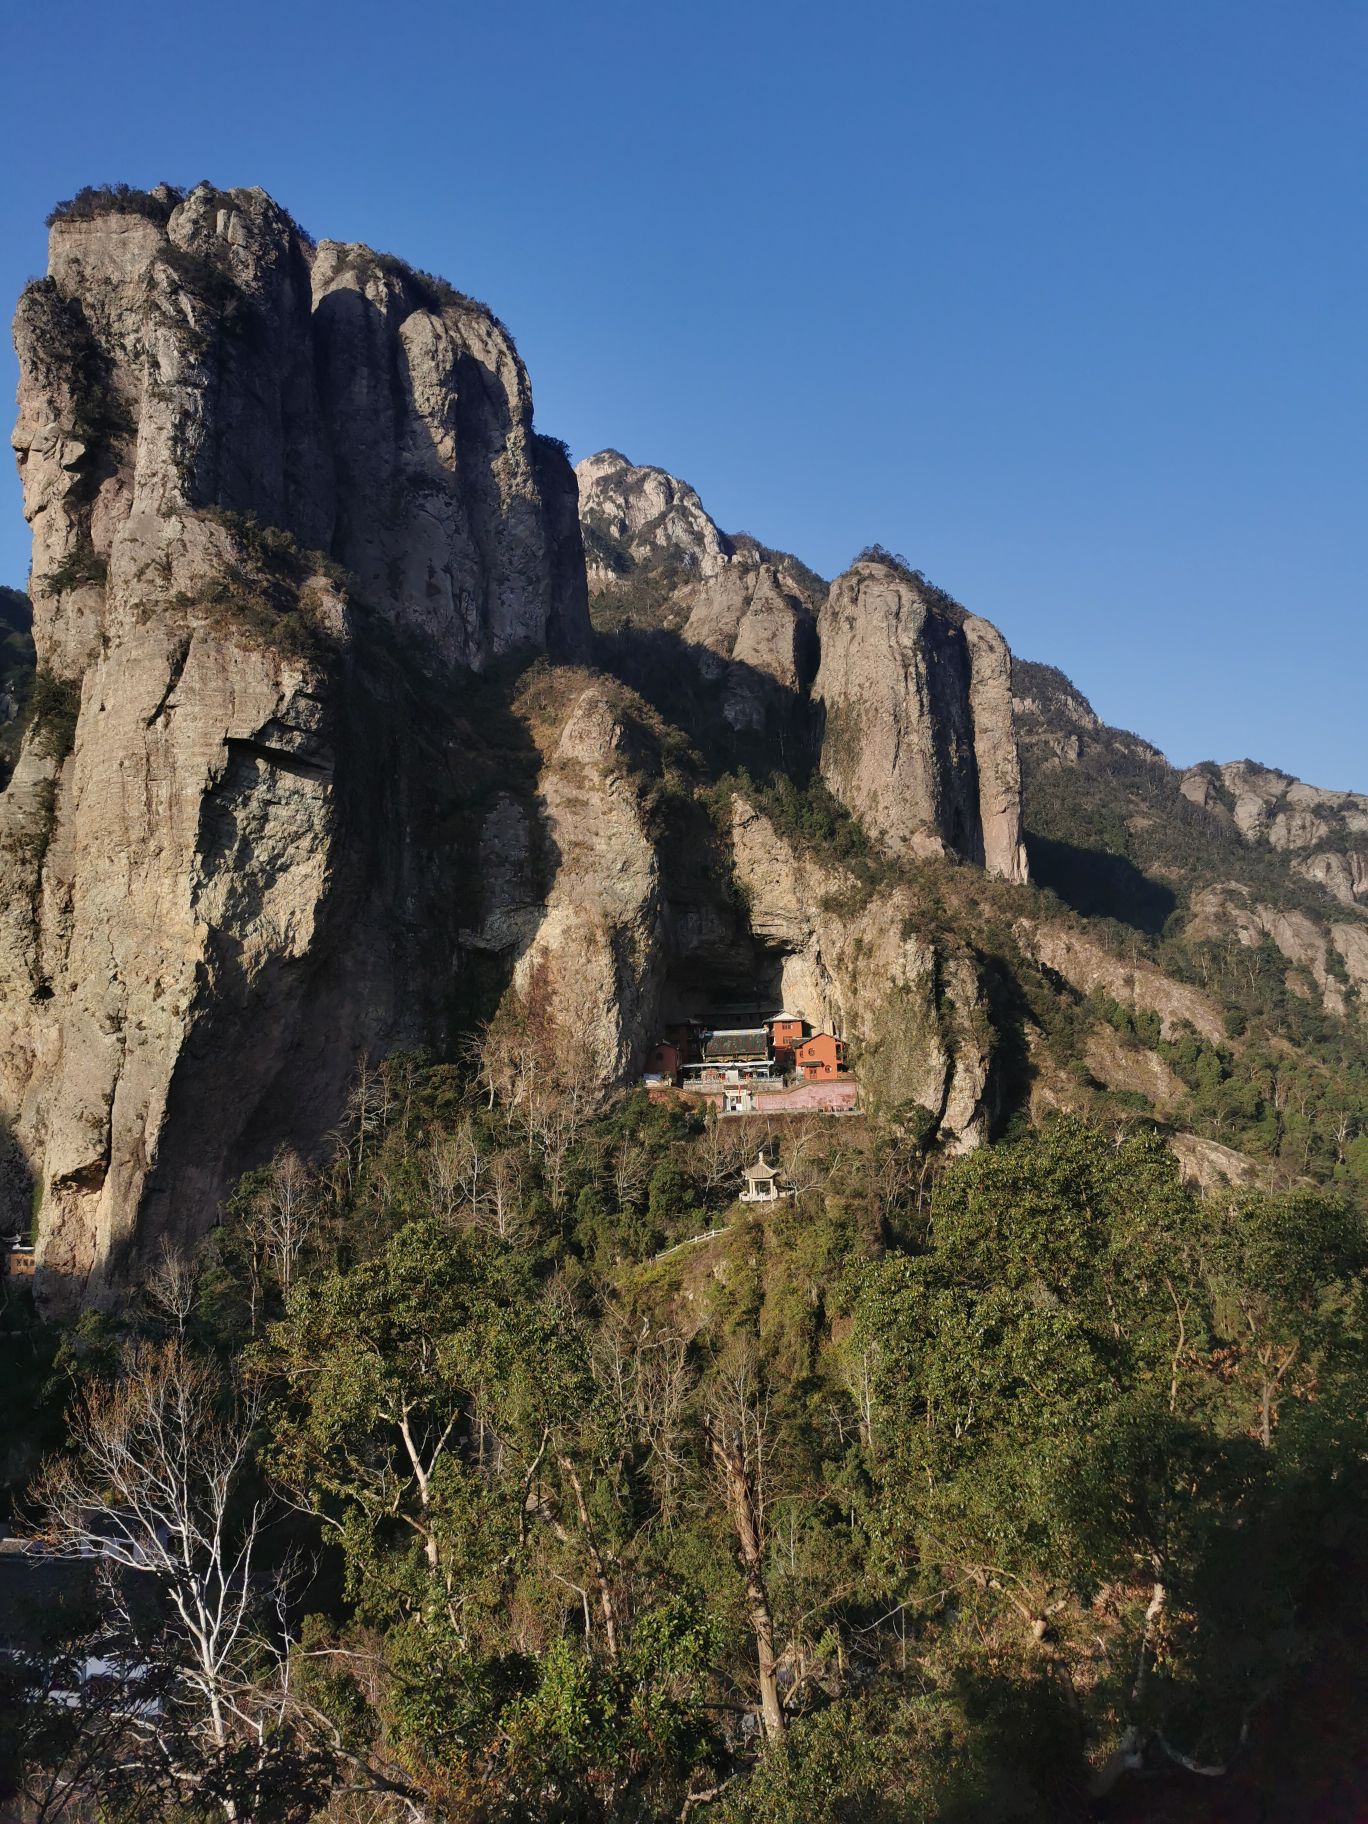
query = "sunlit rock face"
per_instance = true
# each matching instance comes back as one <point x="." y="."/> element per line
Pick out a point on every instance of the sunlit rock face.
<point x="284" y="498"/>
<point x="917" y="735"/>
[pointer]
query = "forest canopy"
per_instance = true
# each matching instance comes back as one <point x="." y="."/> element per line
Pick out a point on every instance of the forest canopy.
<point x="518" y="1471"/>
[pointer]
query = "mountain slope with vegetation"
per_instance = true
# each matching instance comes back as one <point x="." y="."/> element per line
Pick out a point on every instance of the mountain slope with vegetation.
<point x="410" y="1422"/>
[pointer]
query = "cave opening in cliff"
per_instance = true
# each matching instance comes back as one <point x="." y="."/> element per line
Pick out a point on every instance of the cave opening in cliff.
<point x="724" y="984"/>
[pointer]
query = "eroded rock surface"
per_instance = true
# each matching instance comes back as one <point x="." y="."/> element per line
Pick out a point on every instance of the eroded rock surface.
<point x="599" y="942"/>
<point x="917" y="737"/>
<point x="743" y="616"/>
<point x="1324" y="833"/>
<point x="278" y="493"/>
<point x="1329" y="956"/>
<point x="1088" y="967"/>
<point x="642" y="513"/>
<point x="909" y="999"/>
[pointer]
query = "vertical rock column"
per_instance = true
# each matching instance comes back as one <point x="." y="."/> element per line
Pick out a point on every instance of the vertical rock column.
<point x="917" y="706"/>
<point x="995" y="750"/>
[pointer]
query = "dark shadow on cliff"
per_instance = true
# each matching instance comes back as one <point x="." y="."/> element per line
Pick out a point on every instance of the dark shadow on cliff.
<point x="1100" y="884"/>
<point x="1011" y="1071"/>
<point x="692" y="687"/>
<point x="16" y="1185"/>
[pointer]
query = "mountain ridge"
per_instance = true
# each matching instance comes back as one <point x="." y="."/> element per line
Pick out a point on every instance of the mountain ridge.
<point x="296" y="545"/>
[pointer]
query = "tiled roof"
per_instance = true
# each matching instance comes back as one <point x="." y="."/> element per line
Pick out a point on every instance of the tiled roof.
<point x="751" y="1043"/>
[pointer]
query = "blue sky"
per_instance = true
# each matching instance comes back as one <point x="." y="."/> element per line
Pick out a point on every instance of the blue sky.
<point x="1064" y="299"/>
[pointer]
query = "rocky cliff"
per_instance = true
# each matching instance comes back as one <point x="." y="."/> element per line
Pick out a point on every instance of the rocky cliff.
<point x="905" y="992"/>
<point x="569" y="875"/>
<point x="904" y="699"/>
<point x="634" y="515"/>
<point x="1238" y="853"/>
<point x="677" y="592"/>
<point x="917" y="734"/>
<point x="1323" y="833"/>
<point x="323" y="756"/>
<point x="284" y="498"/>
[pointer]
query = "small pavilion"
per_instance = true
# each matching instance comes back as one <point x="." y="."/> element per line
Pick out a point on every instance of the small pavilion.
<point x="762" y="1182"/>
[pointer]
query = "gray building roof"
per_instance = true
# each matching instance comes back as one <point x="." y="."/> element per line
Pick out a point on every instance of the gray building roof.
<point x="744" y="1042"/>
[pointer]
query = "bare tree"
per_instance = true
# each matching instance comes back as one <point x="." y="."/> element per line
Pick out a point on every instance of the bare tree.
<point x="456" y="1167"/>
<point x="645" y="1375"/>
<point x="735" y="1424"/>
<point x="716" y="1158"/>
<point x="282" y="1213"/>
<point x="171" y="1286"/>
<point x="807" y="1154"/>
<point x="632" y="1166"/>
<point x="149" y="1491"/>
<point x="371" y="1105"/>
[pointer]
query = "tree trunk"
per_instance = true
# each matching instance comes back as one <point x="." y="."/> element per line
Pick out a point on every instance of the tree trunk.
<point x="741" y="1501"/>
<point x="601" y="1583"/>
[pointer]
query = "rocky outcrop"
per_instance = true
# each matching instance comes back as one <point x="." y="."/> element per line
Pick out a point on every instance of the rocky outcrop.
<point x="1324" y="833"/>
<point x="1088" y="968"/>
<point x="1212" y="1167"/>
<point x="283" y="498"/>
<point x="995" y="751"/>
<point x="571" y="888"/>
<point x="634" y="515"/>
<point x="1055" y="722"/>
<point x="1133" y="1069"/>
<point x="753" y="636"/>
<point x="743" y="616"/>
<point x="1329" y="957"/>
<point x="909" y="999"/>
<point x="912" y="696"/>
<point x="917" y="738"/>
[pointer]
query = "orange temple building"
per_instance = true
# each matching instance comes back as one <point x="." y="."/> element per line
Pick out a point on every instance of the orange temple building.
<point x="820" y="1056"/>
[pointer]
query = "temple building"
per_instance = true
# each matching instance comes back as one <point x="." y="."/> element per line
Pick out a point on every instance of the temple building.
<point x="820" y="1056"/>
<point x="747" y="1054"/>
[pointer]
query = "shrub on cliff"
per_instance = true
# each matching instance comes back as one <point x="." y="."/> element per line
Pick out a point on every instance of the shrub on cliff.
<point x="116" y="199"/>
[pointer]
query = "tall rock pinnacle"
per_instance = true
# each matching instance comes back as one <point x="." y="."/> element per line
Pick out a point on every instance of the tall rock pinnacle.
<point x="284" y="498"/>
<point x="917" y="738"/>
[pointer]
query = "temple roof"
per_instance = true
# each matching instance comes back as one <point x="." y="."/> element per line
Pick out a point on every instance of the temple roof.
<point x="747" y="1042"/>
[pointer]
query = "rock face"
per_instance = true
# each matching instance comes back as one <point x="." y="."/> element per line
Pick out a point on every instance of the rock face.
<point x="1211" y="1166"/>
<point x="907" y="699"/>
<point x="1054" y="720"/>
<point x="910" y="1000"/>
<point x="643" y="514"/>
<point x="1329" y="958"/>
<point x="917" y="738"/>
<point x="744" y="616"/>
<point x="283" y="497"/>
<point x="1089" y="968"/>
<point x="571" y="883"/>
<point x="753" y="635"/>
<point x="1324" y="833"/>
